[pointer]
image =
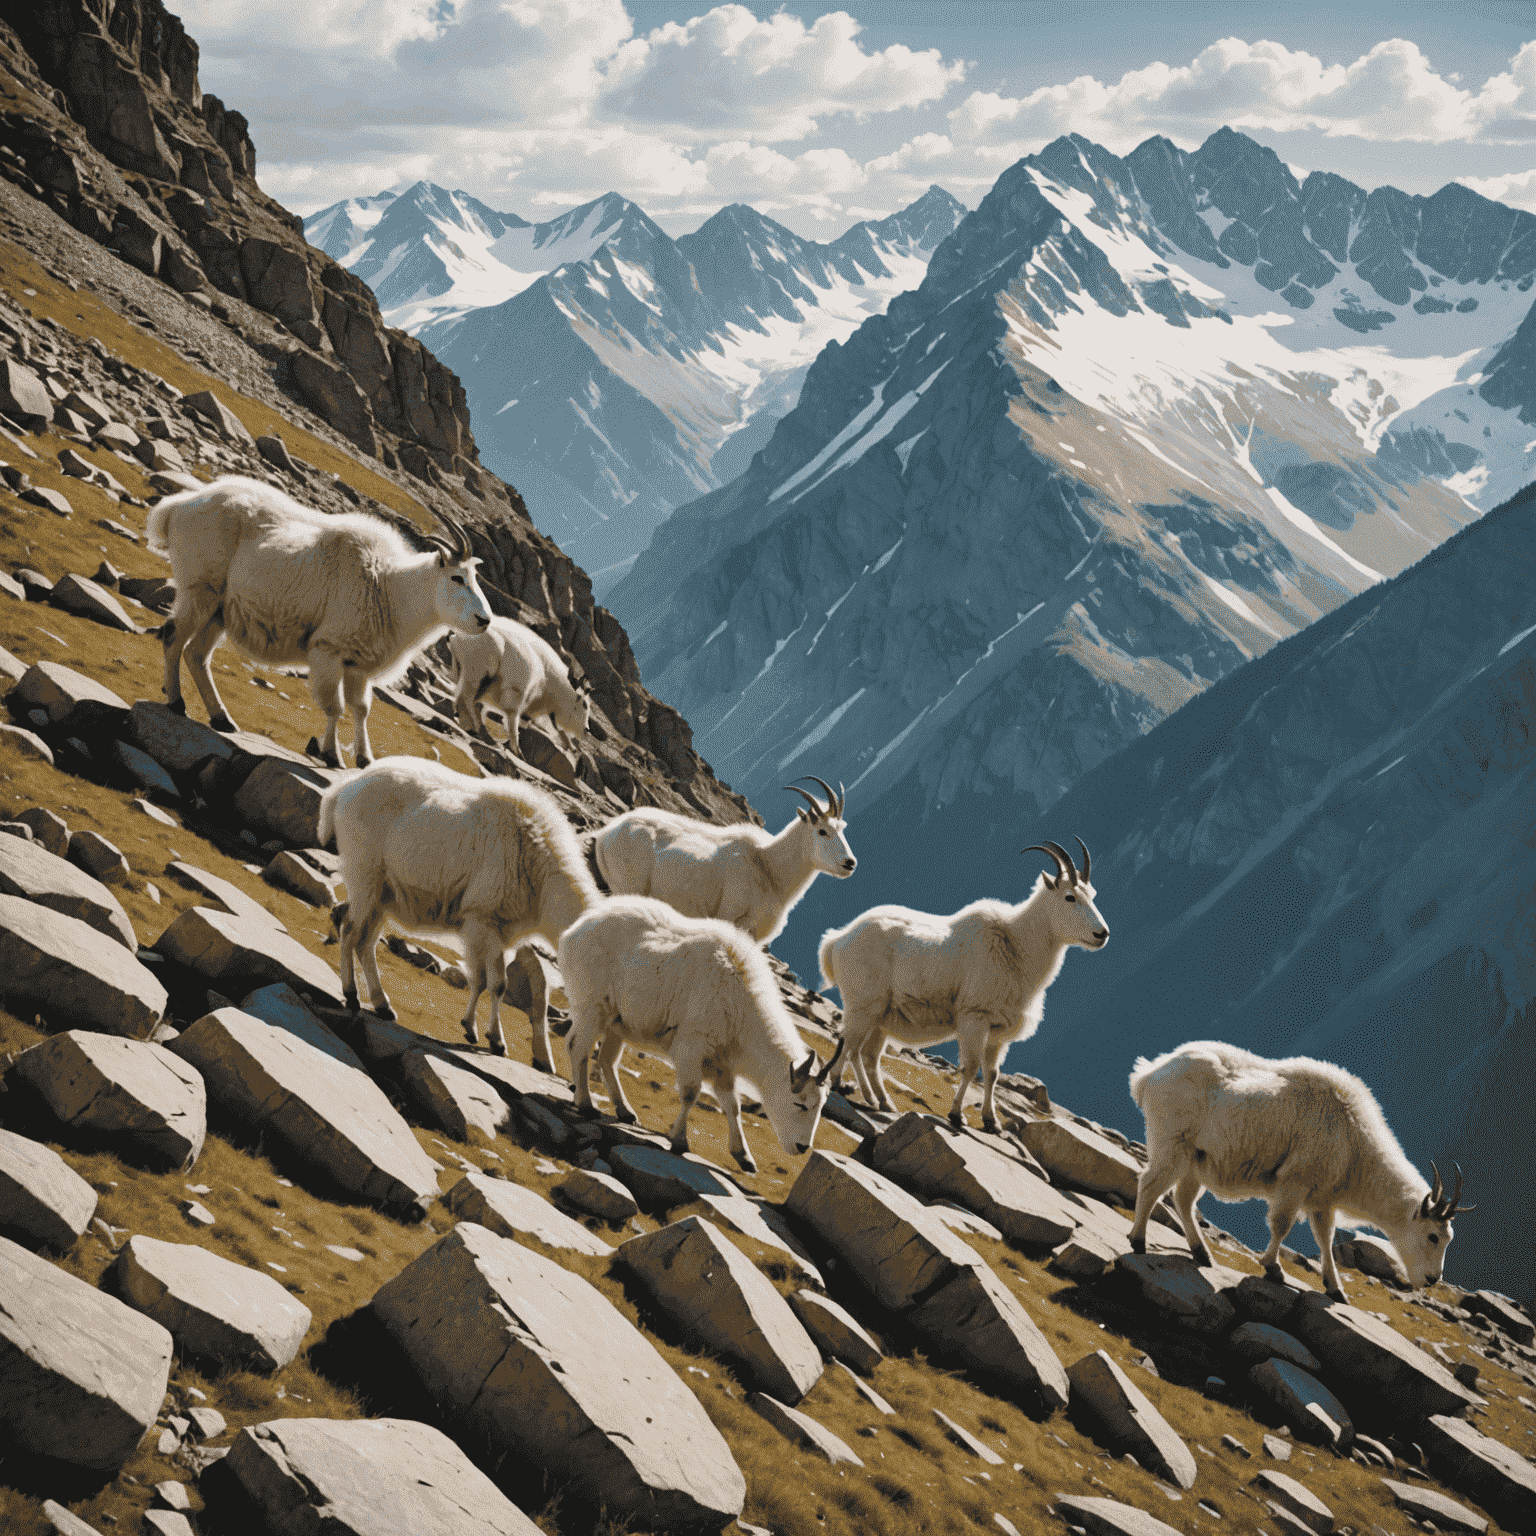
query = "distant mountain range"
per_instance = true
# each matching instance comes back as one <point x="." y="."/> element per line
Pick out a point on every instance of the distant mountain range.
<point x="613" y="372"/>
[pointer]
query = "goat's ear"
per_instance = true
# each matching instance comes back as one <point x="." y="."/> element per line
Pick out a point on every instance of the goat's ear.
<point x="800" y="1073"/>
<point x="801" y="813"/>
<point x="1051" y="881"/>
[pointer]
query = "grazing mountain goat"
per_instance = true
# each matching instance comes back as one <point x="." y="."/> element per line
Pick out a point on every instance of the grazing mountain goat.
<point x="489" y="859"/>
<point x="288" y="584"/>
<point x="1299" y="1134"/>
<point x="978" y="977"/>
<point x="741" y="874"/>
<point x="699" y="991"/>
<point x="511" y="668"/>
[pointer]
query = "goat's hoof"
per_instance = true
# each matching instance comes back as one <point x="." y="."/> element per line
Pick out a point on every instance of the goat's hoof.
<point x="177" y="707"/>
<point x="542" y="1066"/>
<point x="349" y="1001"/>
<point x="629" y="1117"/>
<point x="989" y="1125"/>
<point x="1338" y="1296"/>
<point x="744" y="1162"/>
<point x="679" y="1148"/>
<point x="956" y="1119"/>
<point x="385" y="1012"/>
<point x="1203" y="1259"/>
<point x="1275" y="1273"/>
<point x="330" y="759"/>
<point x="222" y="723"/>
<point x="363" y="762"/>
<point x="1138" y="1245"/>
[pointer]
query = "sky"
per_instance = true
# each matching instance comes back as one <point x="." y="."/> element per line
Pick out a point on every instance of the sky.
<point x="820" y="117"/>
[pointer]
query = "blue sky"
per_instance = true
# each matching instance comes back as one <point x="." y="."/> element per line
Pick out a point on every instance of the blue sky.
<point x="821" y="115"/>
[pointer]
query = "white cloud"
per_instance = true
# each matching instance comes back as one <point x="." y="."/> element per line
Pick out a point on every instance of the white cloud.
<point x="1517" y="190"/>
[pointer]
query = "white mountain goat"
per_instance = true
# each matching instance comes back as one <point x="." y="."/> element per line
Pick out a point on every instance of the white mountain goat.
<point x="978" y="976"/>
<point x="741" y="874"/>
<point x="343" y="593"/>
<point x="511" y="668"/>
<point x="700" y="992"/>
<point x="1302" y="1135"/>
<point x="491" y="860"/>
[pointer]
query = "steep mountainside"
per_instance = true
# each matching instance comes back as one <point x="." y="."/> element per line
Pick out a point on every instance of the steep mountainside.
<point x="641" y="372"/>
<point x="1143" y="418"/>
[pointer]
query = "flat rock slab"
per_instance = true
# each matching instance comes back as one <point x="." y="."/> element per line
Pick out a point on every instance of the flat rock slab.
<point x="221" y="893"/>
<point x="1285" y="1491"/>
<point x="864" y="1389"/>
<point x="282" y="799"/>
<point x="59" y="966"/>
<point x="1125" y="1421"/>
<point x="81" y="596"/>
<point x="30" y="871"/>
<point x="178" y="743"/>
<point x="386" y="1040"/>
<point x="1184" y="1293"/>
<point x="451" y="1098"/>
<point x="1262" y="1341"/>
<point x="84" y="1374"/>
<point x="283" y="1008"/>
<point x="333" y="1117"/>
<point x="720" y="1300"/>
<point x="659" y="1180"/>
<point x="893" y="1243"/>
<point x="1425" y="1504"/>
<point x="597" y="1194"/>
<point x="763" y="1224"/>
<point x="1371" y="1363"/>
<point x="41" y="1197"/>
<point x="214" y="1308"/>
<point x="1072" y="1154"/>
<point x="930" y="1156"/>
<point x="368" y="1477"/>
<point x="963" y="1221"/>
<point x="75" y="704"/>
<point x="1268" y="1301"/>
<point x="512" y="1210"/>
<point x="976" y="1320"/>
<point x="1485" y="1469"/>
<point x="242" y="953"/>
<point x="1304" y="1404"/>
<point x="1109" y="1517"/>
<point x="803" y="1429"/>
<point x="109" y="1086"/>
<point x="1510" y="1319"/>
<point x="64" y="1523"/>
<point x="836" y="1333"/>
<point x="965" y="1439"/>
<point x="541" y="1365"/>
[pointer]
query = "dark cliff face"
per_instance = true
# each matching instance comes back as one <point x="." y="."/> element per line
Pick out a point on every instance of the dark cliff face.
<point x="103" y="121"/>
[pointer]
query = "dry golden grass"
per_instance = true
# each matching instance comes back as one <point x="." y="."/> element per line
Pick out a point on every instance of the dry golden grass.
<point x="913" y="1479"/>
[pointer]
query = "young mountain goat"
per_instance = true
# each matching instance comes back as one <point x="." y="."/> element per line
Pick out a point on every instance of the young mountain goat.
<point x="491" y="860"/>
<point x="741" y="873"/>
<point x="511" y="668"/>
<point x="978" y="977"/>
<point x="699" y="991"/>
<point x="1299" y="1134"/>
<point x="343" y="593"/>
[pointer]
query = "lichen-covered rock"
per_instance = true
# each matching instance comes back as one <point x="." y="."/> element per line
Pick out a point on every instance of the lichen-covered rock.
<point x="537" y="1362"/>
<point x="41" y="1197"/>
<point x="84" y="1375"/>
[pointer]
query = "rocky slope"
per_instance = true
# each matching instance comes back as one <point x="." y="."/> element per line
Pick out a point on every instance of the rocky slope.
<point x="191" y="250"/>
<point x="638" y="372"/>
<point x="1142" y="418"/>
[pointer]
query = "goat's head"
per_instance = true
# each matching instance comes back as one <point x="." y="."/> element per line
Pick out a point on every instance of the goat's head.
<point x="827" y="829"/>
<point x="1422" y="1239"/>
<point x="796" y="1114"/>
<point x="461" y="605"/>
<point x="1070" y="898"/>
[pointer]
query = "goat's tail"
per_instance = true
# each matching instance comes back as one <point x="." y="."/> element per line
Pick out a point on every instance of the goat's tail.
<point x="327" y="831"/>
<point x="824" y="959"/>
<point x="157" y="526"/>
<point x="1139" y="1075"/>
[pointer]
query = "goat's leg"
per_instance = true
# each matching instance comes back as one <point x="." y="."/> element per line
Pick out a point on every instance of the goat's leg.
<point x="730" y="1101"/>
<point x="476" y="940"/>
<point x="325" y="689"/>
<point x="1185" y="1193"/>
<point x="1282" y="1217"/>
<point x="1322" y="1230"/>
<point x="496" y="985"/>
<point x="1162" y="1172"/>
<point x="690" y="1078"/>
<point x="200" y="648"/>
<point x="587" y="1028"/>
<point x="357" y="917"/>
<point x="357" y="690"/>
<point x="185" y="622"/>
<point x="970" y="1063"/>
<point x="991" y="1059"/>
<point x="608" y="1054"/>
<point x="368" y="943"/>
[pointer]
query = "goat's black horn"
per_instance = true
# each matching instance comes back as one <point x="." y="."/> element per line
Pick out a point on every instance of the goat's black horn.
<point x="1086" y="859"/>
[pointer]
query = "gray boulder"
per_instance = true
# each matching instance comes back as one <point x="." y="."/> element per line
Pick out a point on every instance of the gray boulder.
<point x="1194" y="1298"/>
<point x="1485" y="1469"/>
<point x="804" y="1430"/>
<point x="451" y="1098"/>
<point x="329" y="1115"/>
<point x="1109" y="1517"/>
<point x="1285" y="1492"/>
<point x="1425" y="1504"/>
<point x="120" y="1088"/>
<point x="282" y="799"/>
<point x="1260" y="1341"/>
<point x="290" y="873"/>
<point x="29" y="870"/>
<point x="512" y="1210"/>
<point x="82" y="597"/>
<point x="219" y="416"/>
<point x="721" y="1302"/>
<point x="836" y="1333"/>
<point x="59" y="966"/>
<point x="763" y="1224"/>
<point x="215" y="1309"/>
<point x="18" y="741"/>
<point x="101" y="859"/>
<point x="76" y="705"/>
<point x="368" y="1477"/>
<point x="1370" y="1255"/>
<point x="84" y="1375"/>
<point x="1303" y="1403"/>
<point x="239" y="953"/>
<point x="283" y="1008"/>
<point x="537" y="1362"/>
<point x="41" y="1197"/>
<point x="659" y="1180"/>
<point x="48" y="829"/>
<point x="1124" y="1420"/>
<point x="23" y="396"/>
<point x="222" y="894"/>
<point x="1490" y="1304"/>
<point x="178" y="743"/>
<point x="1074" y="1155"/>
<point x="596" y="1194"/>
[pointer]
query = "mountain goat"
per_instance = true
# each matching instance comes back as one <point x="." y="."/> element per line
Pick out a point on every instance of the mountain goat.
<point x="491" y="860"/>
<point x="1299" y="1134"/>
<point x="978" y="976"/>
<point x="343" y="593"/>
<point x="699" y="991"/>
<point x="741" y="874"/>
<point x="512" y="668"/>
